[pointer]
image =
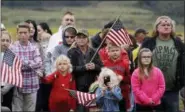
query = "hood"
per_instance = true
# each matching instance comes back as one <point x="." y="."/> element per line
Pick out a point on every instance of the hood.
<point x="114" y="80"/>
<point x="63" y="33"/>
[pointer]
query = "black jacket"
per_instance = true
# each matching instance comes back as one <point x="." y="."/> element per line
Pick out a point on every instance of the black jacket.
<point x="96" y="40"/>
<point x="180" y="70"/>
<point x="82" y="76"/>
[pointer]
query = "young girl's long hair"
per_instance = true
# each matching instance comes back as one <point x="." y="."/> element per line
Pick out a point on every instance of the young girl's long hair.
<point x="141" y="66"/>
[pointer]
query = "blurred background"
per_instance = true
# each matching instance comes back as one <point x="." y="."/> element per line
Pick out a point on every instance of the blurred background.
<point x="92" y="15"/>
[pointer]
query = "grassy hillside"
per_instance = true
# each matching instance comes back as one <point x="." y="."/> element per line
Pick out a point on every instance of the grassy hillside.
<point x="91" y="17"/>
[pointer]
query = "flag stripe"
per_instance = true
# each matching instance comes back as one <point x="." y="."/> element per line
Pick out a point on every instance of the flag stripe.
<point x="126" y="35"/>
<point x="82" y="97"/>
<point x="122" y="35"/>
<point x="15" y="72"/>
<point x="20" y="75"/>
<point x="3" y="70"/>
<point x="6" y="73"/>
<point x="9" y="72"/>
<point x="78" y="97"/>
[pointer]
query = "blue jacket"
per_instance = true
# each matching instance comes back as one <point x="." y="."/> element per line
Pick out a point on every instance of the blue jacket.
<point x="110" y="100"/>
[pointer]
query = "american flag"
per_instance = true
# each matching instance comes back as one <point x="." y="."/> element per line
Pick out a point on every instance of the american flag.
<point x="85" y="99"/>
<point x="11" y="69"/>
<point x="118" y="34"/>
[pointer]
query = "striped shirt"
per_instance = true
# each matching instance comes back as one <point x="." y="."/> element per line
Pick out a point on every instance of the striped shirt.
<point x="30" y="56"/>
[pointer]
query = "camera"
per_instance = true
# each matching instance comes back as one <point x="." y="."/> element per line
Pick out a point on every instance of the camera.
<point x="106" y="80"/>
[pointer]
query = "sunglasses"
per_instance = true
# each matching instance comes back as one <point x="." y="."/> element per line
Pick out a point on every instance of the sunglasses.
<point x="72" y="37"/>
<point x="146" y="56"/>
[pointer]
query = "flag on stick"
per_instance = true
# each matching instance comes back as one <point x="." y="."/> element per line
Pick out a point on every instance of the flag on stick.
<point x="11" y="69"/>
<point x="118" y="34"/>
<point x="85" y="99"/>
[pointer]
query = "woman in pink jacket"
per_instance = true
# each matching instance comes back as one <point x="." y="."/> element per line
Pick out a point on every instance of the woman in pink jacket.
<point x="147" y="83"/>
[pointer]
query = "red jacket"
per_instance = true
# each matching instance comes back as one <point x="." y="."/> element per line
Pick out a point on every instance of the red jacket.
<point x="60" y="99"/>
<point x="121" y="67"/>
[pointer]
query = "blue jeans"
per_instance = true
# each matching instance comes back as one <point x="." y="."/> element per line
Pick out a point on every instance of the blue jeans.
<point x="170" y="101"/>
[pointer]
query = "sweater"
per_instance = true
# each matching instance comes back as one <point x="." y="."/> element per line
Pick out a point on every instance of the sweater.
<point x="149" y="88"/>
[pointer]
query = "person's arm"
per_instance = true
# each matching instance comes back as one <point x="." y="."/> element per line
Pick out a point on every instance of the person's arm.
<point x="116" y="91"/>
<point x="136" y="87"/>
<point x="97" y="63"/>
<point x="56" y="52"/>
<point x="161" y="87"/>
<point x="100" y="96"/>
<point x="49" y="78"/>
<point x="36" y="62"/>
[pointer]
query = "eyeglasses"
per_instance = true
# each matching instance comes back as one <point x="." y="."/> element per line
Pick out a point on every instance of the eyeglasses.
<point x="72" y="37"/>
<point x="146" y="56"/>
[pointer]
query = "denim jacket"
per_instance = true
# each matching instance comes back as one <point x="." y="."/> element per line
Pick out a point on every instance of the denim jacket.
<point x="110" y="100"/>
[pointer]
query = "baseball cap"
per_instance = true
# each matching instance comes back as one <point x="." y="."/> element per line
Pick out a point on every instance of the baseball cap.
<point x="84" y="32"/>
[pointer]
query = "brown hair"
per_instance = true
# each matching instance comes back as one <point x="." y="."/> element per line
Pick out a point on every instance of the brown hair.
<point x="23" y="25"/>
<point x="68" y="13"/>
<point x="158" y="21"/>
<point x="140" y="65"/>
<point x="71" y="30"/>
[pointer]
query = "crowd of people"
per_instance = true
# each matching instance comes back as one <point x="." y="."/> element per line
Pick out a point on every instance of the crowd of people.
<point x="148" y="75"/>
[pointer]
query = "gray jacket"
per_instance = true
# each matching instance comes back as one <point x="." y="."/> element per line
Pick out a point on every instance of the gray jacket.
<point x="55" y="52"/>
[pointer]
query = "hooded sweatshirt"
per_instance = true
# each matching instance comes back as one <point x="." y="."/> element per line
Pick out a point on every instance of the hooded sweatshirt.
<point x="121" y="67"/>
<point x="62" y="48"/>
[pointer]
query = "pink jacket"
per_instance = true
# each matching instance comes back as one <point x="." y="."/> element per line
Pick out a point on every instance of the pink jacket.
<point x="148" y="89"/>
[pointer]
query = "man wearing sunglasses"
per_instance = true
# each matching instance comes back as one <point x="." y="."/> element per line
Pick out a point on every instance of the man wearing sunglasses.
<point x="68" y="37"/>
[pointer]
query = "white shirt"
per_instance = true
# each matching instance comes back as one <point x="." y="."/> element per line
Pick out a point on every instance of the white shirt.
<point x="55" y="39"/>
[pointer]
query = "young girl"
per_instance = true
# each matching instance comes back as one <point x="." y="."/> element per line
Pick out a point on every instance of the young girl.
<point x="147" y="83"/>
<point x="6" y="90"/>
<point x="108" y="93"/>
<point x="60" y="100"/>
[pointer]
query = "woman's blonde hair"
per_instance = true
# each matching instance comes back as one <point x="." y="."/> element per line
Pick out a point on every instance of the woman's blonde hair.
<point x="140" y="65"/>
<point x="158" y="21"/>
<point x="63" y="58"/>
<point x="5" y="32"/>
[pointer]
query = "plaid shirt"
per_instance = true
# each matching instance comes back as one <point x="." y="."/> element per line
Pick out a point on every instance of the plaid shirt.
<point x="30" y="56"/>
